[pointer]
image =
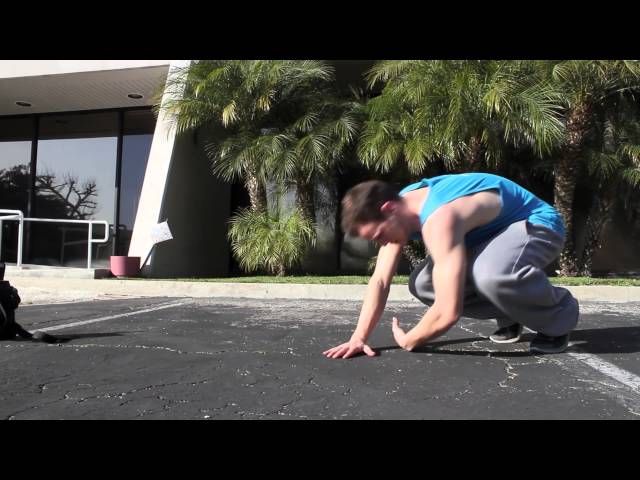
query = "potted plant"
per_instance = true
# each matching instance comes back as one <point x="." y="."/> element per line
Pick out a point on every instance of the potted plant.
<point x="124" y="266"/>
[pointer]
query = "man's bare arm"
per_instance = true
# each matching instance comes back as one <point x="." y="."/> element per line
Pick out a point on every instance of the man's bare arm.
<point x="374" y="302"/>
<point x="446" y="247"/>
<point x="378" y="289"/>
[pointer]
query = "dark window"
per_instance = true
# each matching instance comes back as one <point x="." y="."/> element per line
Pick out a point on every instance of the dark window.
<point x="15" y="157"/>
<point x="75" y="179"/>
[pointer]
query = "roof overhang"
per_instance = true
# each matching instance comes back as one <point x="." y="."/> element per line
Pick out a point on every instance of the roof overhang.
<point x="56" y="88"/>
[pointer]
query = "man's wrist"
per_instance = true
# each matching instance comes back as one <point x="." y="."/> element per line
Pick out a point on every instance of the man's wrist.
<point x="359" y="337"/>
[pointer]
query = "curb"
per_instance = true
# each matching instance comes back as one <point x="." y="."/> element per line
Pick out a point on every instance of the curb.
<point x="170" y="288"/>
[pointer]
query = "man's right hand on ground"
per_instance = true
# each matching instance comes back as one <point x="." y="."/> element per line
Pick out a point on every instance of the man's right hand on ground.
<point x="349" y="349"/>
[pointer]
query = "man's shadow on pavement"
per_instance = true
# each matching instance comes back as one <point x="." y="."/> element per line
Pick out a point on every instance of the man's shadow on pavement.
<point x="592" y="340"/>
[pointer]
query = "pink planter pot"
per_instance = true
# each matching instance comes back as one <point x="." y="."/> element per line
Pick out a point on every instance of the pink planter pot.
<point x="123" y="266"/>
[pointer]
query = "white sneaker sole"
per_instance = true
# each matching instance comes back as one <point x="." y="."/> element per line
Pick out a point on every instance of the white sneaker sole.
<point x="511" y="340"/>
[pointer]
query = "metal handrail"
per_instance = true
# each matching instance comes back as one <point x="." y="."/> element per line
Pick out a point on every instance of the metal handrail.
<point x="20" y="218"/>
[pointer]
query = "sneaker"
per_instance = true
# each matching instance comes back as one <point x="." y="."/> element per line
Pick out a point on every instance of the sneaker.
<point x="510" y="334"/>
<point x="546" y="344"/>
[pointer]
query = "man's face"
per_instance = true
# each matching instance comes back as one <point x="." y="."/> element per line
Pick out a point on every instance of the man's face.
<point x="389" y="230"/>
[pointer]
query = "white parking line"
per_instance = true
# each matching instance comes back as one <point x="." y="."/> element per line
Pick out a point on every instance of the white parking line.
<point x="111" y="317"/>
<point x="625" y="390"/>
<point x="608" y="379"/>
<point x="623" y="376"/>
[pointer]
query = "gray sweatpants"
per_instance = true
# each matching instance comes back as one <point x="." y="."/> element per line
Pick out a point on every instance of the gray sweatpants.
<point x="506" y="281"/>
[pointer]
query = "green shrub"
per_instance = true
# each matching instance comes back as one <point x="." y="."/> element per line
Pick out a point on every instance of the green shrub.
<point x="269" y="242"/>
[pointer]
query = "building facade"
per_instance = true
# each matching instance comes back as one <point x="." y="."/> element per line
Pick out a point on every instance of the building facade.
<point x="79" y="140"/>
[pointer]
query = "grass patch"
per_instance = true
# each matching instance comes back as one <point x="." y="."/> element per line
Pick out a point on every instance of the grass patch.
<point x="397" y="280"/>
<point x="577" y="281"/>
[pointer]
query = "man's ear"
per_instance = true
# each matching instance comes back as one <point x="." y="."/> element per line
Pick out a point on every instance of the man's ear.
<point x="389" y="207"/>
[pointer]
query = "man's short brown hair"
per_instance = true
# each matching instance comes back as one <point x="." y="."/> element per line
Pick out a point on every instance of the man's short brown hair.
<point x="362" y="203"/>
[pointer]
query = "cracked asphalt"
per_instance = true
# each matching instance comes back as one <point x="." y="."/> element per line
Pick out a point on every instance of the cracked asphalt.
<point x="261" y="359"/>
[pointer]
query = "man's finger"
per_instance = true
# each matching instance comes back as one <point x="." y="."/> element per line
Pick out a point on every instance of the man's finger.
<point x="350" y="352"/>
<point x="341" y="353"/>
<point x="369" y="351"/>
<point x="334" y="349"/>
<point x="394" y="323"/>
<point x="337" y="352"/>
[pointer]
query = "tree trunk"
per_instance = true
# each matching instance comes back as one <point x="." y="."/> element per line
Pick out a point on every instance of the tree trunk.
<point x="600" y="213"/>
<point x="474" y="160"/>
<point x="258" y="201"/>
<point x="279" y="270"/>
<point x="305" y="198"/>
<point x="257" y="193"/>
<point x="566" y="170"/>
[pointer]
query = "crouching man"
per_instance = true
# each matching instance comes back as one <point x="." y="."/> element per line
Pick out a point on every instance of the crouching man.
<point x="488" y="242"/>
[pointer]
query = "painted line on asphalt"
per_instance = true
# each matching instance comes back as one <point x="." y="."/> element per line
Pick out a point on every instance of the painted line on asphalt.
<point x="625" y="377"/>
<point x="609" y="369"/>
<point x="608" y="379"/>
<point x="111" y="317"/>
<point x="626" y="390"/>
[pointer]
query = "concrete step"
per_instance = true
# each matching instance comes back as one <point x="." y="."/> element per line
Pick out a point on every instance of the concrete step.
<point x="45" y="271"/>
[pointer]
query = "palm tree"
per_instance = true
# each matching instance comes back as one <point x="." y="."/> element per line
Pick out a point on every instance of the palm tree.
<point x="613" y="166"/>
<point x="277" y="121"/>
<point x="462" y="112"/>
<point x="301" y="142"/>
<point x="585" y="86"/>
<point x="238" y="96"/>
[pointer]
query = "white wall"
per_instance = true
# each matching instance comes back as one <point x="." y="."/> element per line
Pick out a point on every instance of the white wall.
<point x="155" y="182"/>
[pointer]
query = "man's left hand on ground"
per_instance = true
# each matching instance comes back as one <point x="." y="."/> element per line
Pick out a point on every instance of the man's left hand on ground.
<point x="398" y="333"/>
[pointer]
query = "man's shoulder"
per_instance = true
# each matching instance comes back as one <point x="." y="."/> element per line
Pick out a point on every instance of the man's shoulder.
<point x="465" y="212"/>
<point x="442" y="216"/>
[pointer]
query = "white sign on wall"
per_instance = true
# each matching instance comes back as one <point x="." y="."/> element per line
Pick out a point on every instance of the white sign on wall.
<point x="161" y="233"/>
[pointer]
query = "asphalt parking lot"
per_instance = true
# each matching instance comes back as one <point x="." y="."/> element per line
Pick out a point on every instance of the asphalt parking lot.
<point x="185" y="358"/>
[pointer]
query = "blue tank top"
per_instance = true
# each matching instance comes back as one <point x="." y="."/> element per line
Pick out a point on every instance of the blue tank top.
<point x="517" y="203"/>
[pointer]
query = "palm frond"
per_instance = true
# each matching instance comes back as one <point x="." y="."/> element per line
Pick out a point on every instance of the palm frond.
<point x="305" y="123"/>
<point x="603" y="166"/>
<point x="632" y="151"/>
<point x="387" y="69"/>
<point x="632" y="177"/>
